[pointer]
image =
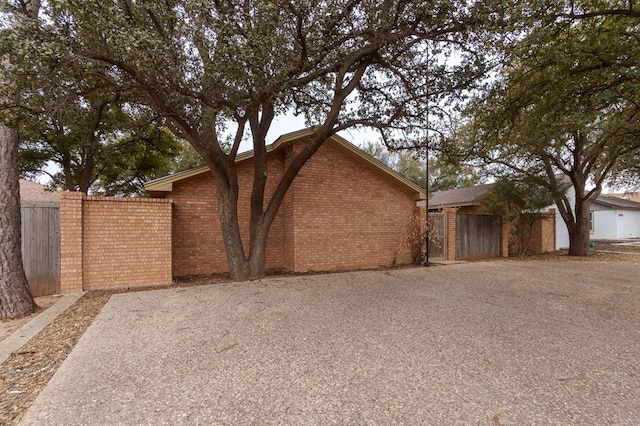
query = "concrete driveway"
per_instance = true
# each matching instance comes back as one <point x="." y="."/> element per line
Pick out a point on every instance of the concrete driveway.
<point x="503" y="342"/>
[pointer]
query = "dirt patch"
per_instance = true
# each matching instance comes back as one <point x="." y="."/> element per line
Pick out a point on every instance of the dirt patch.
<point x="7" y="327"/>
<point x="604" y="250"/>
<point x="26" y="372"/>
<point x="625" y="246"/>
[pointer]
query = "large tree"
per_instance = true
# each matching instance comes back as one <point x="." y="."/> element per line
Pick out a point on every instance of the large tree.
<point x="221" y="71"/>
<point x="15" y="298"/>
<point x="567" y="104"/>
<point x="83" y="131"/>
<point x="101" y="152"/>
<point x="443" y="174"/>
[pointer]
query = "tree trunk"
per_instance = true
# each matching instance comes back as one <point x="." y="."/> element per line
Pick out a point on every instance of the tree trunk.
<point x="252" y="266"/>
<point x="15" y="297"/>
<point x="241" y="266"/>
<point x="579" y="231"/>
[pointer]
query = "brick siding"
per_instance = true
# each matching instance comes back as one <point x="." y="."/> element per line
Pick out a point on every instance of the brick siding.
<point x="71" y="242"/>
<point x="198" y="247"/>
<point x="544" y="234"/>
<point x="347" y="216"/>
<point x="338" y="214"/>
<point x="109" y="243"/>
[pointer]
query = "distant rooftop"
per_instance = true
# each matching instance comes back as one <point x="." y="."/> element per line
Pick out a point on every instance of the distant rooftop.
<point x="617" y="202"/>
<point x="458" y="197"/>
<point x="33" y="191"/>
<point x="633" y="196"/>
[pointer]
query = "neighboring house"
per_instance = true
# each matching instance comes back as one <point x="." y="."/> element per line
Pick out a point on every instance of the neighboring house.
<point x="344" y="210"/>
<point x="473" y="234"/>
<point x="462" y="198"/>
<point x="631" y="196"/>
<point x="614" y="218"/>
<point x="33" y="192"/>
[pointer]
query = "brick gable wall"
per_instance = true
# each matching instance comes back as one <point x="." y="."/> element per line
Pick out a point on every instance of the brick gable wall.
<point x="338" y="214"/>
<point x="198" y="246"/>
<point x="348" y="216"/>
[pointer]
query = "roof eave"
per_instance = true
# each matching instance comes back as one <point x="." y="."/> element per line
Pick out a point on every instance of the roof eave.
<point x="165" y="184"/>
<point x="451" y="205"/>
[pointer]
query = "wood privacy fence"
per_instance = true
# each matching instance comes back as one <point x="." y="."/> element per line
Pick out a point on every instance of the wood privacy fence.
<point x="41" y="246"/>
<point x="478" y="236"/>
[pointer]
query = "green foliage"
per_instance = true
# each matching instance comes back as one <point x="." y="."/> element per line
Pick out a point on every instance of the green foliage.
<point x="568" y="100"/>
<point x="234" y="59"/>
<point x="520" y="203"/>
<point x="443" y="175"/>
<point x="141" y="156"/>
<point x="566" y="103"/>
<point x="218" y="73"/>
<point x="117" y="163"/>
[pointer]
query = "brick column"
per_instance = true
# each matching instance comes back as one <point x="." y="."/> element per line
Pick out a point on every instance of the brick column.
<point x="71" y="230"/>
<point x="451" y="232"/>
<point x="504" y="239"/>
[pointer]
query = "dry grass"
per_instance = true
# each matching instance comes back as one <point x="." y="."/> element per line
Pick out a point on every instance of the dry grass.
<point x="609" y="251"/>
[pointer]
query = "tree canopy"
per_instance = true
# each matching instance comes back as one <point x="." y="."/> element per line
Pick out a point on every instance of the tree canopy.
<point x="110" y="156"/>
<point x="566" y="105"/>
<point x="443" y="174"/>
<point x="219" y="72"/>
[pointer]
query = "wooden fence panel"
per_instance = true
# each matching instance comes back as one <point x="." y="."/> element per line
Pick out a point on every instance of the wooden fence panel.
<point x="477" y="236"/>
<point x="438" y="248"/>
<point x="41" y="246"/>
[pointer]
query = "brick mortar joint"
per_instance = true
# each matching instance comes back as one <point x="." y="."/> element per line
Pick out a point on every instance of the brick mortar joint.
<point x="129" y="200"/>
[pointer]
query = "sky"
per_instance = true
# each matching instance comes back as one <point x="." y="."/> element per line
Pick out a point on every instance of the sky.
<point x="289" y="123"/>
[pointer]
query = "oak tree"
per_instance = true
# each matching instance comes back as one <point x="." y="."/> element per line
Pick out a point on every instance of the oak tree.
<point x="15" y="297"/>
<point x="222" y="71"/>
<point x="566" y="105"/>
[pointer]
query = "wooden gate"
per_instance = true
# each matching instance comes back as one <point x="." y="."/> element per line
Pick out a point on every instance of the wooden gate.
<point x="41" y="246"/>
<point x="477" y="236"/>
<point x="438" y="236"/>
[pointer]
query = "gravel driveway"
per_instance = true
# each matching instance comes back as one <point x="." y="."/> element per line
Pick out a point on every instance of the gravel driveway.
<point x="503" y="342"/>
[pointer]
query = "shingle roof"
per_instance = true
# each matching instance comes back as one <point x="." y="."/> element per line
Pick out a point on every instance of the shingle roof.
<point x="165" y="184"/>
<point x="458" y="197"/>
<point x="465" y="197"/>
<point x="33" y="191"/>
<point x="618" y="203"/>
<point x="633" y="196"/>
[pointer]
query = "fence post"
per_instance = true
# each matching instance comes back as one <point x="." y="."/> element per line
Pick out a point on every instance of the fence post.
<point x="71" y="241"/>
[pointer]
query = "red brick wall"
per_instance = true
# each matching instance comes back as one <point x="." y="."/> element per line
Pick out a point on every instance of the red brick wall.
<point x="338" y="214"/>
<point x="347" y="216"/>
<point x="544" y="235"/>
<point x="198" y="247"/>
<point x="109" y="243"/>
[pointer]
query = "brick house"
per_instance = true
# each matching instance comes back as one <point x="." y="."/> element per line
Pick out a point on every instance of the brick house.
<point x="33" y="192"/>
<point x="472" y="234"/>
<point x="344" y="210"/>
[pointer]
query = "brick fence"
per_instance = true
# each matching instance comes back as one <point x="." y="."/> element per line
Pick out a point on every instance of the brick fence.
<point x="109" y="243"/>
